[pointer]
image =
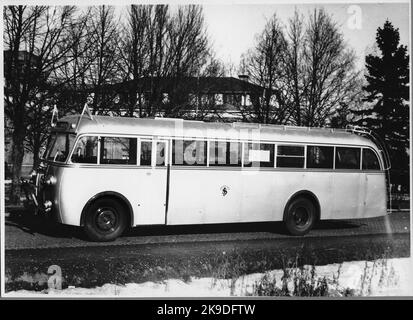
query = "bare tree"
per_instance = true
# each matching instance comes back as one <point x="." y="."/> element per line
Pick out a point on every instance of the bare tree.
<point x="264" y="66"/>
<point x="158" y="52"/>
<point x="329" y="73"/>
<point x="201" y="103"/>
<point x="65" y="88"/>
<point x="103" y="50"/>
<point x="187" y="52"/>
<point x="294" y="66"/>
<point x="70" y="80"/>
<point x="36" y="40"/>
<point x="39" y="111"/>
<point x="144" y="53"/>
<point x="133" y="49"/>
<point x="307" y="71"/>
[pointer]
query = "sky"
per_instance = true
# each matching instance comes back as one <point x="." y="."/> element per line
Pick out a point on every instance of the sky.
<point x="232" y="28"/>
<point x="233" y="24"/>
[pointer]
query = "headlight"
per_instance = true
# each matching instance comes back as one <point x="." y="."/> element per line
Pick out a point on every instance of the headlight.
<point x="50" y="180"/>
<point x="47" y="205"/>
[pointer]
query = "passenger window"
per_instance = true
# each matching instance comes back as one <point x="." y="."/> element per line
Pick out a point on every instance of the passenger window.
<point x="347" y="158"/>
<point x="86" y="150"/>
<point x="116" y="150"/>
<point x="223" y="153"/>
<point x="289" y="156"/>
<point x="192" y="153"/>
<point x="320" y="157"/>
<point x="260" y="155"/>
<point x="370" y="160"/>
<point x="160" y="153"/>
<point x="146" y="153"/>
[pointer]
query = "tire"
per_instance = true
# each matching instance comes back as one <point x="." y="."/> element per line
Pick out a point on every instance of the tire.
<point x="105" y="220"/>
<point x="300" y="216"/>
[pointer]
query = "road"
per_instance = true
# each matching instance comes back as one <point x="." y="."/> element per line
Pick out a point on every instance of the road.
<point x="155" y="253"/>
<point x="23" y="231"/>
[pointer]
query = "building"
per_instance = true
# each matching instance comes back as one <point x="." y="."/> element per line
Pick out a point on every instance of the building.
<point x="205" y="98"/>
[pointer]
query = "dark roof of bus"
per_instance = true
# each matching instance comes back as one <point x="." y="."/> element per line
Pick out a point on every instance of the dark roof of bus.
<point x="214" y="130"/>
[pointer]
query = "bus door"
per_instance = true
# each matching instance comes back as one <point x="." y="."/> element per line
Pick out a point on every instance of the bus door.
<point x="151" y="193"/>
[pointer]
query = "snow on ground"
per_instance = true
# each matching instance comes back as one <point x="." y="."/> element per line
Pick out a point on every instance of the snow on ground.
<point x="391" y="277"/>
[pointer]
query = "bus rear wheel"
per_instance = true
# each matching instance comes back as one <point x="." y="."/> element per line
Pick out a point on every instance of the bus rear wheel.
<point x="105" y="220"/>
<point x="300" y="216"/>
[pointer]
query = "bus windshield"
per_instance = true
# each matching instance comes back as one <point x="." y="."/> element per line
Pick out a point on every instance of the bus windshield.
<point x="59" y="146"/>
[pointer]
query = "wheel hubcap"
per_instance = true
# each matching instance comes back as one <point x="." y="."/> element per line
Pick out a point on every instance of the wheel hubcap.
<point x="105" y="219"/>
<point x="301" y="217"/>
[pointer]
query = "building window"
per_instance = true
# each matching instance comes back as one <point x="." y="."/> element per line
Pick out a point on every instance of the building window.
<point x="193" y="99"/>
<point x="246" y="100"/>
<point x="289" y="156"/>
<point x="165" y="98"/>
<point x="232" y="99"/>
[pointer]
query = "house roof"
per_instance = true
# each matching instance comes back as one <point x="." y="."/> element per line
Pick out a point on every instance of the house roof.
<point x="191" y="84"/>
<point x="23" y="56"/>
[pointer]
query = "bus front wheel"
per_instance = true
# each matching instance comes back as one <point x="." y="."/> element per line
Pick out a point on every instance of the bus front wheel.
<point x="105" y="220"/>
<point x="300" y="216"/>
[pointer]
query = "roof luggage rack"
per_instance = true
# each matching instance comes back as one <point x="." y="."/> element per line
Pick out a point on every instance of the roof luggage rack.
<point x="363" y="131"/>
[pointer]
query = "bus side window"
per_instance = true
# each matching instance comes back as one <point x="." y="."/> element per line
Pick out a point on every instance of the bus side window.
<point x="146" y="153"/>
<point x="223" y="153"/>
<point x="347" y="158"/>
<point x="370" y="160"/>
<point x="289" y="156"/>
<point x="258" y="155"/>
<point x="160" y="153"/>
<point x="320" y="157"/>
<point x="116" y="150"/>
<point x="189" y="152"/>
<point x="86" y="150"/>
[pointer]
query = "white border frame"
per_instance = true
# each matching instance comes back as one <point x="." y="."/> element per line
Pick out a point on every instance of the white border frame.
<point x="125" y="2"/>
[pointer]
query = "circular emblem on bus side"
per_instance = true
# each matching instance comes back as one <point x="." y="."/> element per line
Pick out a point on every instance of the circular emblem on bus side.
<point x="224" y="190"/>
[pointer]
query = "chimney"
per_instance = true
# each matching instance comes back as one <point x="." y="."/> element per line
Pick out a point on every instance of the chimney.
<point x="243" y="77"/>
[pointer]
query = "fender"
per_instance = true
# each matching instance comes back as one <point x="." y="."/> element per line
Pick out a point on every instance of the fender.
<point x="113" y="194"/>
<point x="305" y="193"/>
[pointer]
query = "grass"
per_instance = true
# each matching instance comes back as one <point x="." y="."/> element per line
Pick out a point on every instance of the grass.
<point x="228" y="270"/>
<point x="298" y="280"/>
<point x="227" y="265"/>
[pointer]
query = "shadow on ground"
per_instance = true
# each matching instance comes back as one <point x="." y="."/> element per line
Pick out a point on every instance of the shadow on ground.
<point x="33" y="224"/>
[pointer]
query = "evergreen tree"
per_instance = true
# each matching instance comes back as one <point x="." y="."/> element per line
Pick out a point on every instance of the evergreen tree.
<point x="387" y="97"/>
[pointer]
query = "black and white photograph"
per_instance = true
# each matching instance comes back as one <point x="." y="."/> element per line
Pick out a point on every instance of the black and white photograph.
<point x="206" y="150"/>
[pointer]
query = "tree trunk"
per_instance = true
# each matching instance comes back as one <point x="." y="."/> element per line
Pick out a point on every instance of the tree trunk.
<point x="36" y="153"/>
<point x="17" y="160"/>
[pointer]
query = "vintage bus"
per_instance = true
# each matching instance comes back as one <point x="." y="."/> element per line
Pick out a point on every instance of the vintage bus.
<point x="109" y="173"/>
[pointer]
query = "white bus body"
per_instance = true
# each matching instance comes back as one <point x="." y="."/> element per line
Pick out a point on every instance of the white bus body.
<point x="167" y="193"/>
